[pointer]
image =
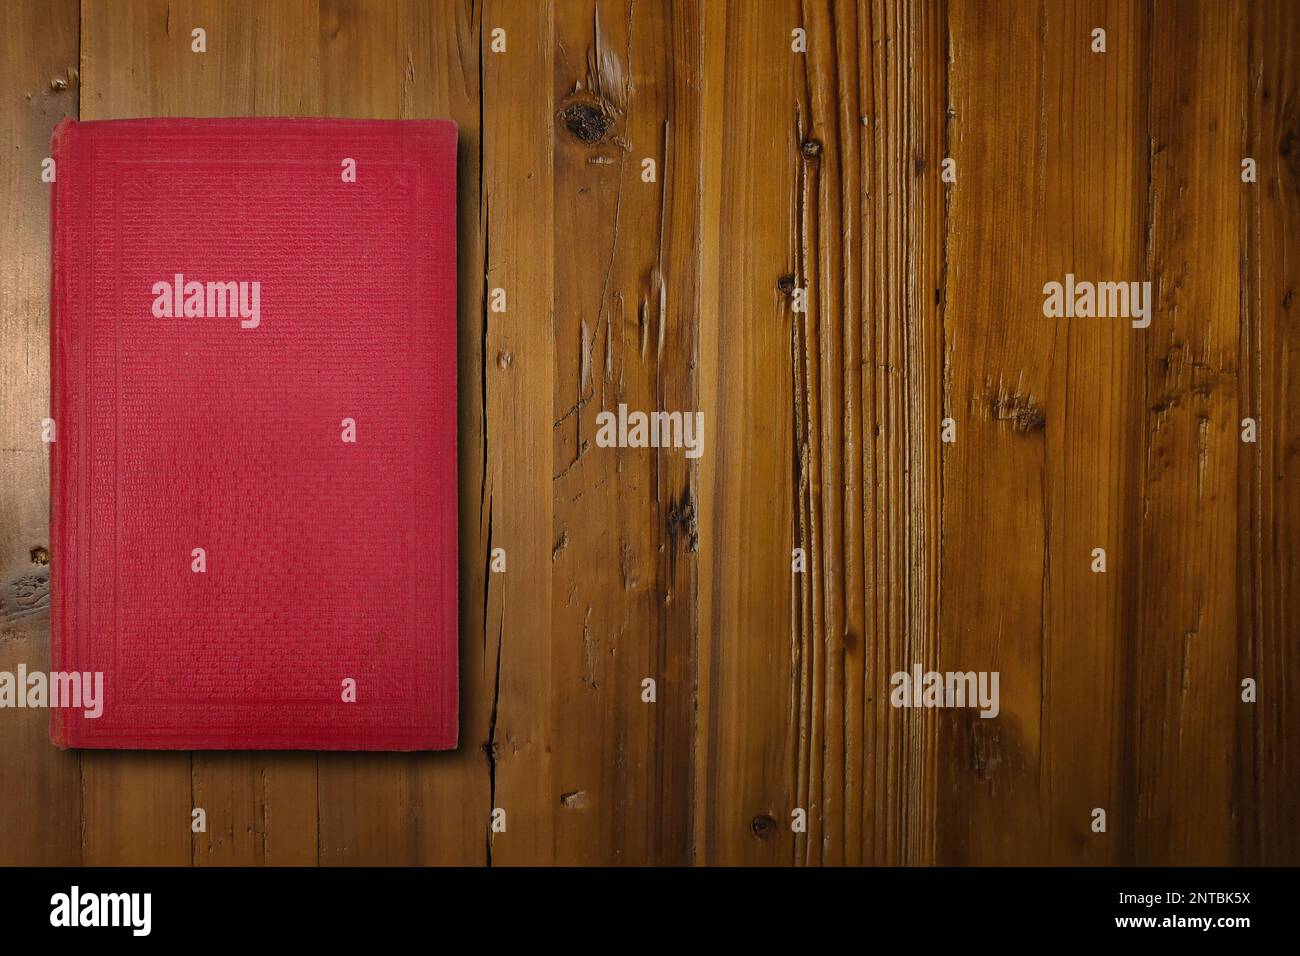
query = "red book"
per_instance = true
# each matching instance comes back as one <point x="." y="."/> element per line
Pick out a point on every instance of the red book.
<point x="253" y="478"/>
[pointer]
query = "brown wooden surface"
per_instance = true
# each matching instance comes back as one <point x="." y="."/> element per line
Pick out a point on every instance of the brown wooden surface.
<point x="776" y="171"/>
<point x="40" y="786"/>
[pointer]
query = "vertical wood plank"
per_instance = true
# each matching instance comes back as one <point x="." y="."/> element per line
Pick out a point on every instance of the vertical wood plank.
<point x="1186" y="659"/>
<point x="137" y="61"/>
<point x="261" y="809"/>
<point x="1048" y="139"/>
<point x="752" y="633"/>
<point x="40" y="786"/>
<point x="625" y="527"/>
<point x="846" y="450"/>
<point x="824" y="266"/>
<point x="443" y="79"/>
<point x="1270" y="472"/>
<point x="905" y="122"/>
<point x="988" y="775"/>
<point x="676" y="624"/>
<point x="519" y="371"/>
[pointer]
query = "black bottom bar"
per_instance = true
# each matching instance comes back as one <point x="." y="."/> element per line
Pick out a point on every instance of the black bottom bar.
<point x="443" y="906"/>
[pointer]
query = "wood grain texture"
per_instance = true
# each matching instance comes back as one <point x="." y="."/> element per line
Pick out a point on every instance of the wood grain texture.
<point x="905" y="205"/>
<point x="1269" y="507"/>
<point x="798" y="270"/>
<point x="1186" y="667"/>
<point x="518" y="379"/>
<point x="625" y="538"/>
<point x="1044" y="473"/>
<point x="747" y="743"/>
<point x="40" y="787"/>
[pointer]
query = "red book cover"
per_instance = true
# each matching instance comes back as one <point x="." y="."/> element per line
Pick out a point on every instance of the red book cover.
<point x="253" y="477"/>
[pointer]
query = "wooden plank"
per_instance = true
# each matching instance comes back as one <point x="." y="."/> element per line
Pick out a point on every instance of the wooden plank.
<point x="1185" y="677"/>
<point x="455" y="787"/>
<point x="517" y="205"/>
<point x="905" y="126"/>
<point x="1051" y="176"/>
<point x="40" y="786"/>
<point x="867" y="246"/>
<point x="261" y="809"/>
<point x="625" y="527"/>
<point x="137" y="61"/>
<point x="751" y="632"/>
<point x="821" y="411"/>
<point x="824" y="337"/>
<point x="1269" y="378"/>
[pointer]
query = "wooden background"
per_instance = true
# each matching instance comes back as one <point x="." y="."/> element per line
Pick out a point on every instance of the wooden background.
<point x="776" y="170"/>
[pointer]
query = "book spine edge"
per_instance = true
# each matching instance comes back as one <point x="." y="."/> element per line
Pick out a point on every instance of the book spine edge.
<point x="60" y="141"/>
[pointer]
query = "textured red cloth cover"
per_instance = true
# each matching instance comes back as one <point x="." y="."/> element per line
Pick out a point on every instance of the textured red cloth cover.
<point x="193" y="414"/>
